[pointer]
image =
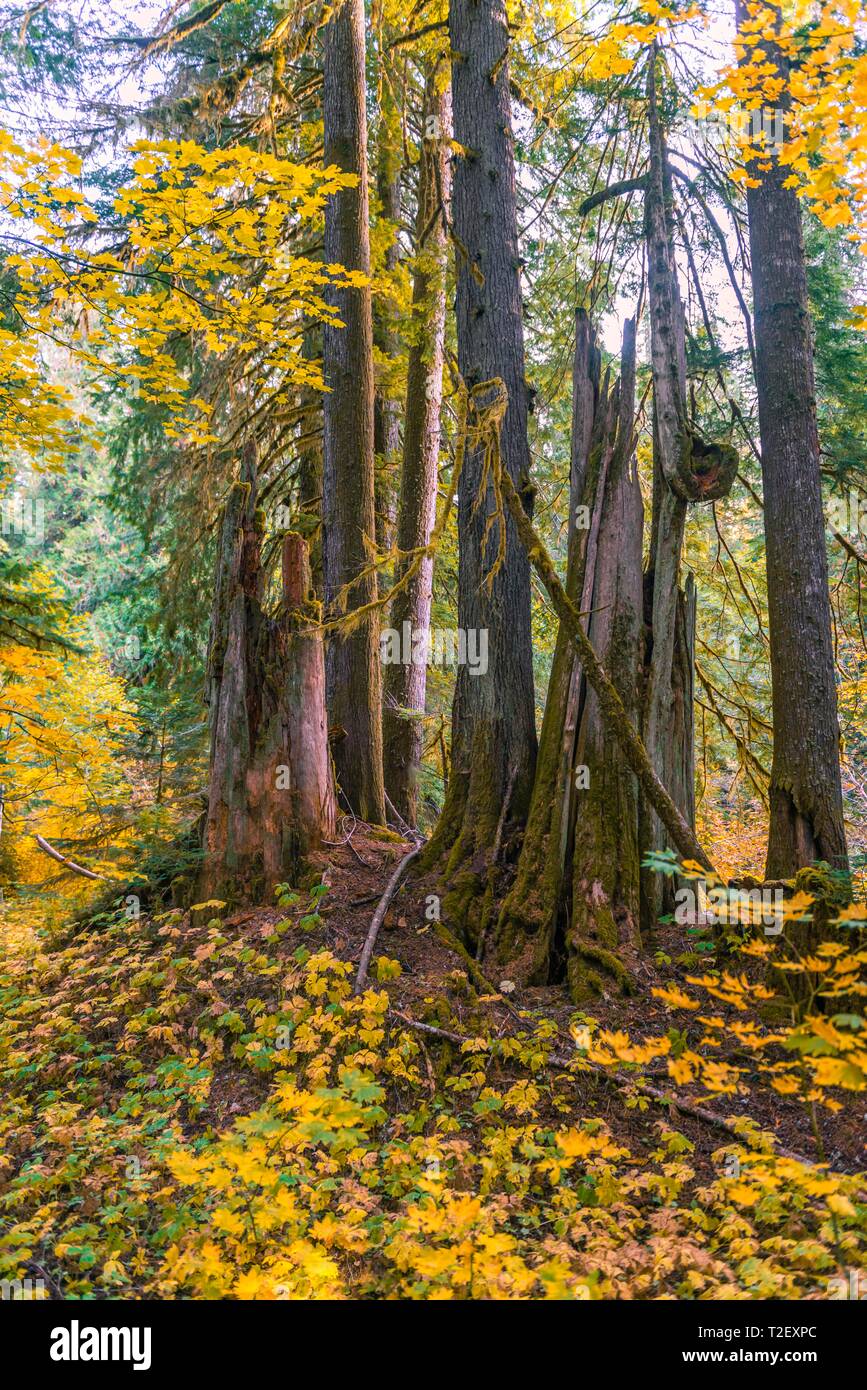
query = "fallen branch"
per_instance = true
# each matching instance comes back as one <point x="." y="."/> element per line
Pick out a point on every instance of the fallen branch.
<point x="379" y="916"/>
<point x="62" y="859"/>
<point x="698" y="1112"/>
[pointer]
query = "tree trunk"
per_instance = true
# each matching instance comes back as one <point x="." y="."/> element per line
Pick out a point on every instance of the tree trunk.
<point x="270" y="798"/>
<point x="353" y="669"/>
<point x="687" y="469"/>
<point x="405" y="682"/>
<point x="493" y="723"/>
<point x="806" y="805"/>
<point x="602" y="935"/>
<point x="310" y="466"/>
<point x="573" y="908"/>
<point x="386" y="338"/>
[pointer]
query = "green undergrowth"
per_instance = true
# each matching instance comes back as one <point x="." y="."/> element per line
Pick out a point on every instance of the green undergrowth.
<point x="209" y="1112"/>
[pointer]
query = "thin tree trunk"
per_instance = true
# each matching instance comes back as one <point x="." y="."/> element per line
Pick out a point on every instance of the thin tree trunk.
<point x="806" y="805"/>
<point x="405" y="683"/>
<point x="353" y="668"/>
<point x="310" y="467"/>
<point x="687" y="469"/>
<point x="493" y="723"/>
<point x="386" y="338"/>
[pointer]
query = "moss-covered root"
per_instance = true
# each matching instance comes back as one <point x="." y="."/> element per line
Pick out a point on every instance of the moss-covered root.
<point x="482" y="798"/>
<point x="599" y="945"/>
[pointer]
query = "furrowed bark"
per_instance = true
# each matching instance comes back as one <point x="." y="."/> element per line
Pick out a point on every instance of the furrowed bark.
<point x="405" y="683"/>
<point x="493" y="724"/>
<point x="353" y="667"/>
<point x="806" y="804"/>
<point x="270" y="797"/>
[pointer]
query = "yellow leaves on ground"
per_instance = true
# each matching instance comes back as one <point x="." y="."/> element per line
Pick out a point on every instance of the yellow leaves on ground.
<point x="334" y="1180"/>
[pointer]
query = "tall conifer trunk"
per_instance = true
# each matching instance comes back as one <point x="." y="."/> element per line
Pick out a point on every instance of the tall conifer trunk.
<point x="806" y="803"/>
<point x="353" y="667"/>
<point x="493" y="726"/>
<point x="687" y="469"/>
<point x="405" y="683"/>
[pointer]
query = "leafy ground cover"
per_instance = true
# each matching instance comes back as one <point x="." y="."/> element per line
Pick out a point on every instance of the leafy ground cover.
<point x="203" y="1108"/>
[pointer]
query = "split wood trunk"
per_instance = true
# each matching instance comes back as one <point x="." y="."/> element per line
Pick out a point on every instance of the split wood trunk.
<point x="574" y="907"/>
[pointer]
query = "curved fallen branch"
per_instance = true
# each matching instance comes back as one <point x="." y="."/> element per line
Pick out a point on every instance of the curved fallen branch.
<point x="379" y="916"/>
<point x="698" y="1112"/>
<point x="68" y="863"/>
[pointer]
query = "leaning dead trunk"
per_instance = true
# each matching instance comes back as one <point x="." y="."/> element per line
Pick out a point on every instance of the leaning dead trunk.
<point x="493" y="716"/>
<point x="270" y="797"/>
<point x="405" y="682"/>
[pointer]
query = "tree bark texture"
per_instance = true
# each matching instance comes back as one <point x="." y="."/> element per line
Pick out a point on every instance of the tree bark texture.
<point x="405" y="684"/>
<point x="270" y="797"/>
<point x="687" y="469"/>
<point x="353" y="667"/>
<point x="806" y="804"/>
<point x="574" y="905"/>
<point x="386" y="336"/>
<point x="493" y="718"/>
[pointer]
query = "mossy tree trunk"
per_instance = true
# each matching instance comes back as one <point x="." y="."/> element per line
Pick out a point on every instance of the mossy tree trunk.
<point x="574" y="905"/>
<point x="270" y="796"/>
<point x="602" y="931"/>
<point x="353" y="668"/>
<point x="806" y="803"/>
<point x="405" y="683"/>
<point x="493" y="715"/>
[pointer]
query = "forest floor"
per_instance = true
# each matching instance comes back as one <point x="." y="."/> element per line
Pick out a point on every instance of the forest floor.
<point x="428" y="968"/>
<point x="199" y="1105"/>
